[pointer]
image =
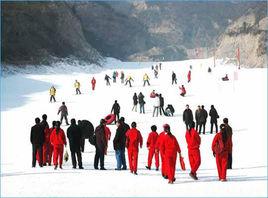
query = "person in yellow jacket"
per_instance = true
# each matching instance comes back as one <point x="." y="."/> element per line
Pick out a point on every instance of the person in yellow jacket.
<point x="52" y="93"/>
<point x="77" y="87"/>
<point x="128" y="80"/>
<point x="146" y="79"/>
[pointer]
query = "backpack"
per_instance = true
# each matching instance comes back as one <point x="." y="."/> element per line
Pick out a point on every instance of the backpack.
<point x="219" y="147"/>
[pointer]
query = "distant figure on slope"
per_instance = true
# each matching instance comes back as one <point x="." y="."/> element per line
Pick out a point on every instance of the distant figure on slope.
<point x="155" y="73"/>
<point x="151" y="143"/>
<point x="128" y="80"/>
<point x="209" y="70"/>
<point x="116" y="110"/>
<point x="187" y="117"/>
<point x="77" y="87"/>
<point x="213" y="118"/>
<point x="135" y="102"/>
<point x="93" y="83"/>
<point x="160" y="66"/>
<point x="141" y="102"/>
<point x="114" y="76"/>
<point x="64" y="113"/>
<point x="174" y="78"/>
<point x="122" y="77"/>
<point x="52" y="93"/>
<point x="146" y="79"/>
<point x="225" y="78"/>
<point x="183" y="90"/>
<point x="58" y="139"/>
<point x="107" y="79"/>
<point x="189" y="76"/>
<point x="152" y="67"/>
<point x="193" y="143"/>
<point x="133" y="141"/>
<point x="197" y="117"/>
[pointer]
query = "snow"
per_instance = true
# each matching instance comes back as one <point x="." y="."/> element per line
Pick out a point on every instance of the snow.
<point x="25" y="95"/>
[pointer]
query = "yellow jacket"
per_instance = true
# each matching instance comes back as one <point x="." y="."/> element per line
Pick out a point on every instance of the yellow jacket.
<point x="77" y="84"/>
<point x="145" y="77"/>
<point x="52" y="91"/>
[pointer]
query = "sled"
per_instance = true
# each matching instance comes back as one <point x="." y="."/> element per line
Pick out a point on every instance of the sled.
<point x="182" y="164"/>
<point x="87" y="129"/>
<point x="109" y="118"/>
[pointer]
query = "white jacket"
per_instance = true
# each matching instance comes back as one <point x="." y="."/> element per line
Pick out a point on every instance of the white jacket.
<point x="156" y="101"/>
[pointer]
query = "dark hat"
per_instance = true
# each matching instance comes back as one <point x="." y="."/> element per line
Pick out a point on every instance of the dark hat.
<point x="133" y="124"/>
<point x="166" y="127"/>
<point x="122" y="119"/>
<point x="102" y="121"/>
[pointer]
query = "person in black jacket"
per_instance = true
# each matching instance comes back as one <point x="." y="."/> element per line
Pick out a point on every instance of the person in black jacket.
<point x="37" y="139"/>
<point x="74" y="135"/>
<point x="213" y="118"/>
<point x="141" y="102"/>
<point x="197" y="117"/>
<point x="203" y="119"/>
<point x="135" y="102"/>
<point x="174" y="78"/>
<point x="187" y="117"/>
<point x="101" y="145"/>
<point x="120" y="144"/>
<point x="161" y="109"/>
<point x="116" y="110"/>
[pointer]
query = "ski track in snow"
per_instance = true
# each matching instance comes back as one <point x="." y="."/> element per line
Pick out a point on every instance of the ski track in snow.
<point x="25" y="95"/>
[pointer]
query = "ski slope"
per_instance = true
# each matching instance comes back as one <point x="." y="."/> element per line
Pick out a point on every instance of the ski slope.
<point x="25" y="95"/>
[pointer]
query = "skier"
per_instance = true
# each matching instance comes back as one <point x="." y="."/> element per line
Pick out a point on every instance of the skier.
<point x="203" y="119"/>
<point x="133" y="141"/>
<point x="153" y="94"/>
<point x="52" y="92"/>
<point x="74" y="135"/>
<point x="151" y="142"/>
<point x="193" y="143"/>
<point x="116" y="110"/>
<point x="197" y="117"/>
<point x="156" y="105"/>
<point x="114" y="77"/>
<point x="93" y="83"/>
<point x="64" y="113"/>
<point x="122" y="77"/>
<point x="229" y="131"/>
<point x="107" y="79"/>
<point x="183" y="90"/>
<point x="159" y="148"/>
<point x="58" y="139"/>
<point x="174" y="78"/>
<point x="155" y="73"/>
<point x="213" y="118"/>
<point x="141" y="102"/>
<point x="189" y="76"/>
<point x="221" y="146"/>
<point x="146" y="79"/>
<point x="170" y="148"/>
<point x="101" y="145"/>
<point x="119" y="143"/>
<point x="128" y="80"/>
<point x="187" y="117"/>
<point x="77" y="87"/>
<point x="161" y="108"/>
<point x="37" y="140"/>
<point x="135" y="102"/>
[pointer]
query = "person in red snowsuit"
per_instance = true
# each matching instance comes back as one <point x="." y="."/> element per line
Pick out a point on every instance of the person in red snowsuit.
<point x="221" y="146"/>
<point x="193" y="143"/>
<point x="189" y="76"/>
<point x="158" y="148"/>
<point x="93" y="83"/>
<point x="107" y="133"/>
<point x="133" y="140"/>
<point x="58" y="139"/>
<point x="183" y="90"/>
<point x="151" y="142"/>
<point x="170" y="148"/>
<point x="47" y="146"/>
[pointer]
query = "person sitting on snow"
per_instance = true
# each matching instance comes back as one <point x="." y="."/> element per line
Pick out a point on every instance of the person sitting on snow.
<point x="225" y="78"/>
<point x="183" y="90"/>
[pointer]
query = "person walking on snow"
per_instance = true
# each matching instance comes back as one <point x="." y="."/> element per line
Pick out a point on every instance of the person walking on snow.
<point x="151" y="143"/>
<point x="193" y="143"/>
<point x="141" y="102"/>
<point x="46" y="144"/>
<point x="128" y="80"/>
<point x="107" y="78"/>
<point x="155" y="73"/>
<point x="52" y="93"/>
<point x="183" y="90"/>
<point x="197" y="117"/>
<point x="122" y="77"/>
<point x="156" y="105"/>
<point x="221" y="146"/>
<point x="174" y="78"/>
<point x="133" y="141"/>
<point x="93" y="83"/>
<point x="189" y="76"/>
<point x="146" y="79"/>
<point x="64" y="113"/>
<point x="161" y="108"/>
<point x="114" y="77"/>
<point x="187" y="117"/>
<point x="229" y="131"/>
<point x="135" y="102"/>
<point x="170" y="148"/>
<point x="50" y="146"/>
<point x="58" y="139"/>
<point x="77" y="87"/>
<point x="74" y="135"/>
<point x="203" y="119"/>
<point x="116" y="110"/>
<point x="213" y="118"/>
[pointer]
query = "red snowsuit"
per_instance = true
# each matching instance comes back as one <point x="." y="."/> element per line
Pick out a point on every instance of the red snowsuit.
<point x="189" y="76"/>
<point x="193" y="141"/>
<point x="222" y="158"/>
<point x="133" y="139"/>
<point x="93" y="83"/>
<point x="47" y="147"/>
<point x="151" y="143"/>
<point x="57" y="140"/>
<point x="158" y="146"/>
<point x="170" y="148"/>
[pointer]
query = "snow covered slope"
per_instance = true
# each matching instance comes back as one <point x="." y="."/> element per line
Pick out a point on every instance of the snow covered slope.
<point x="244" y="102"/>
